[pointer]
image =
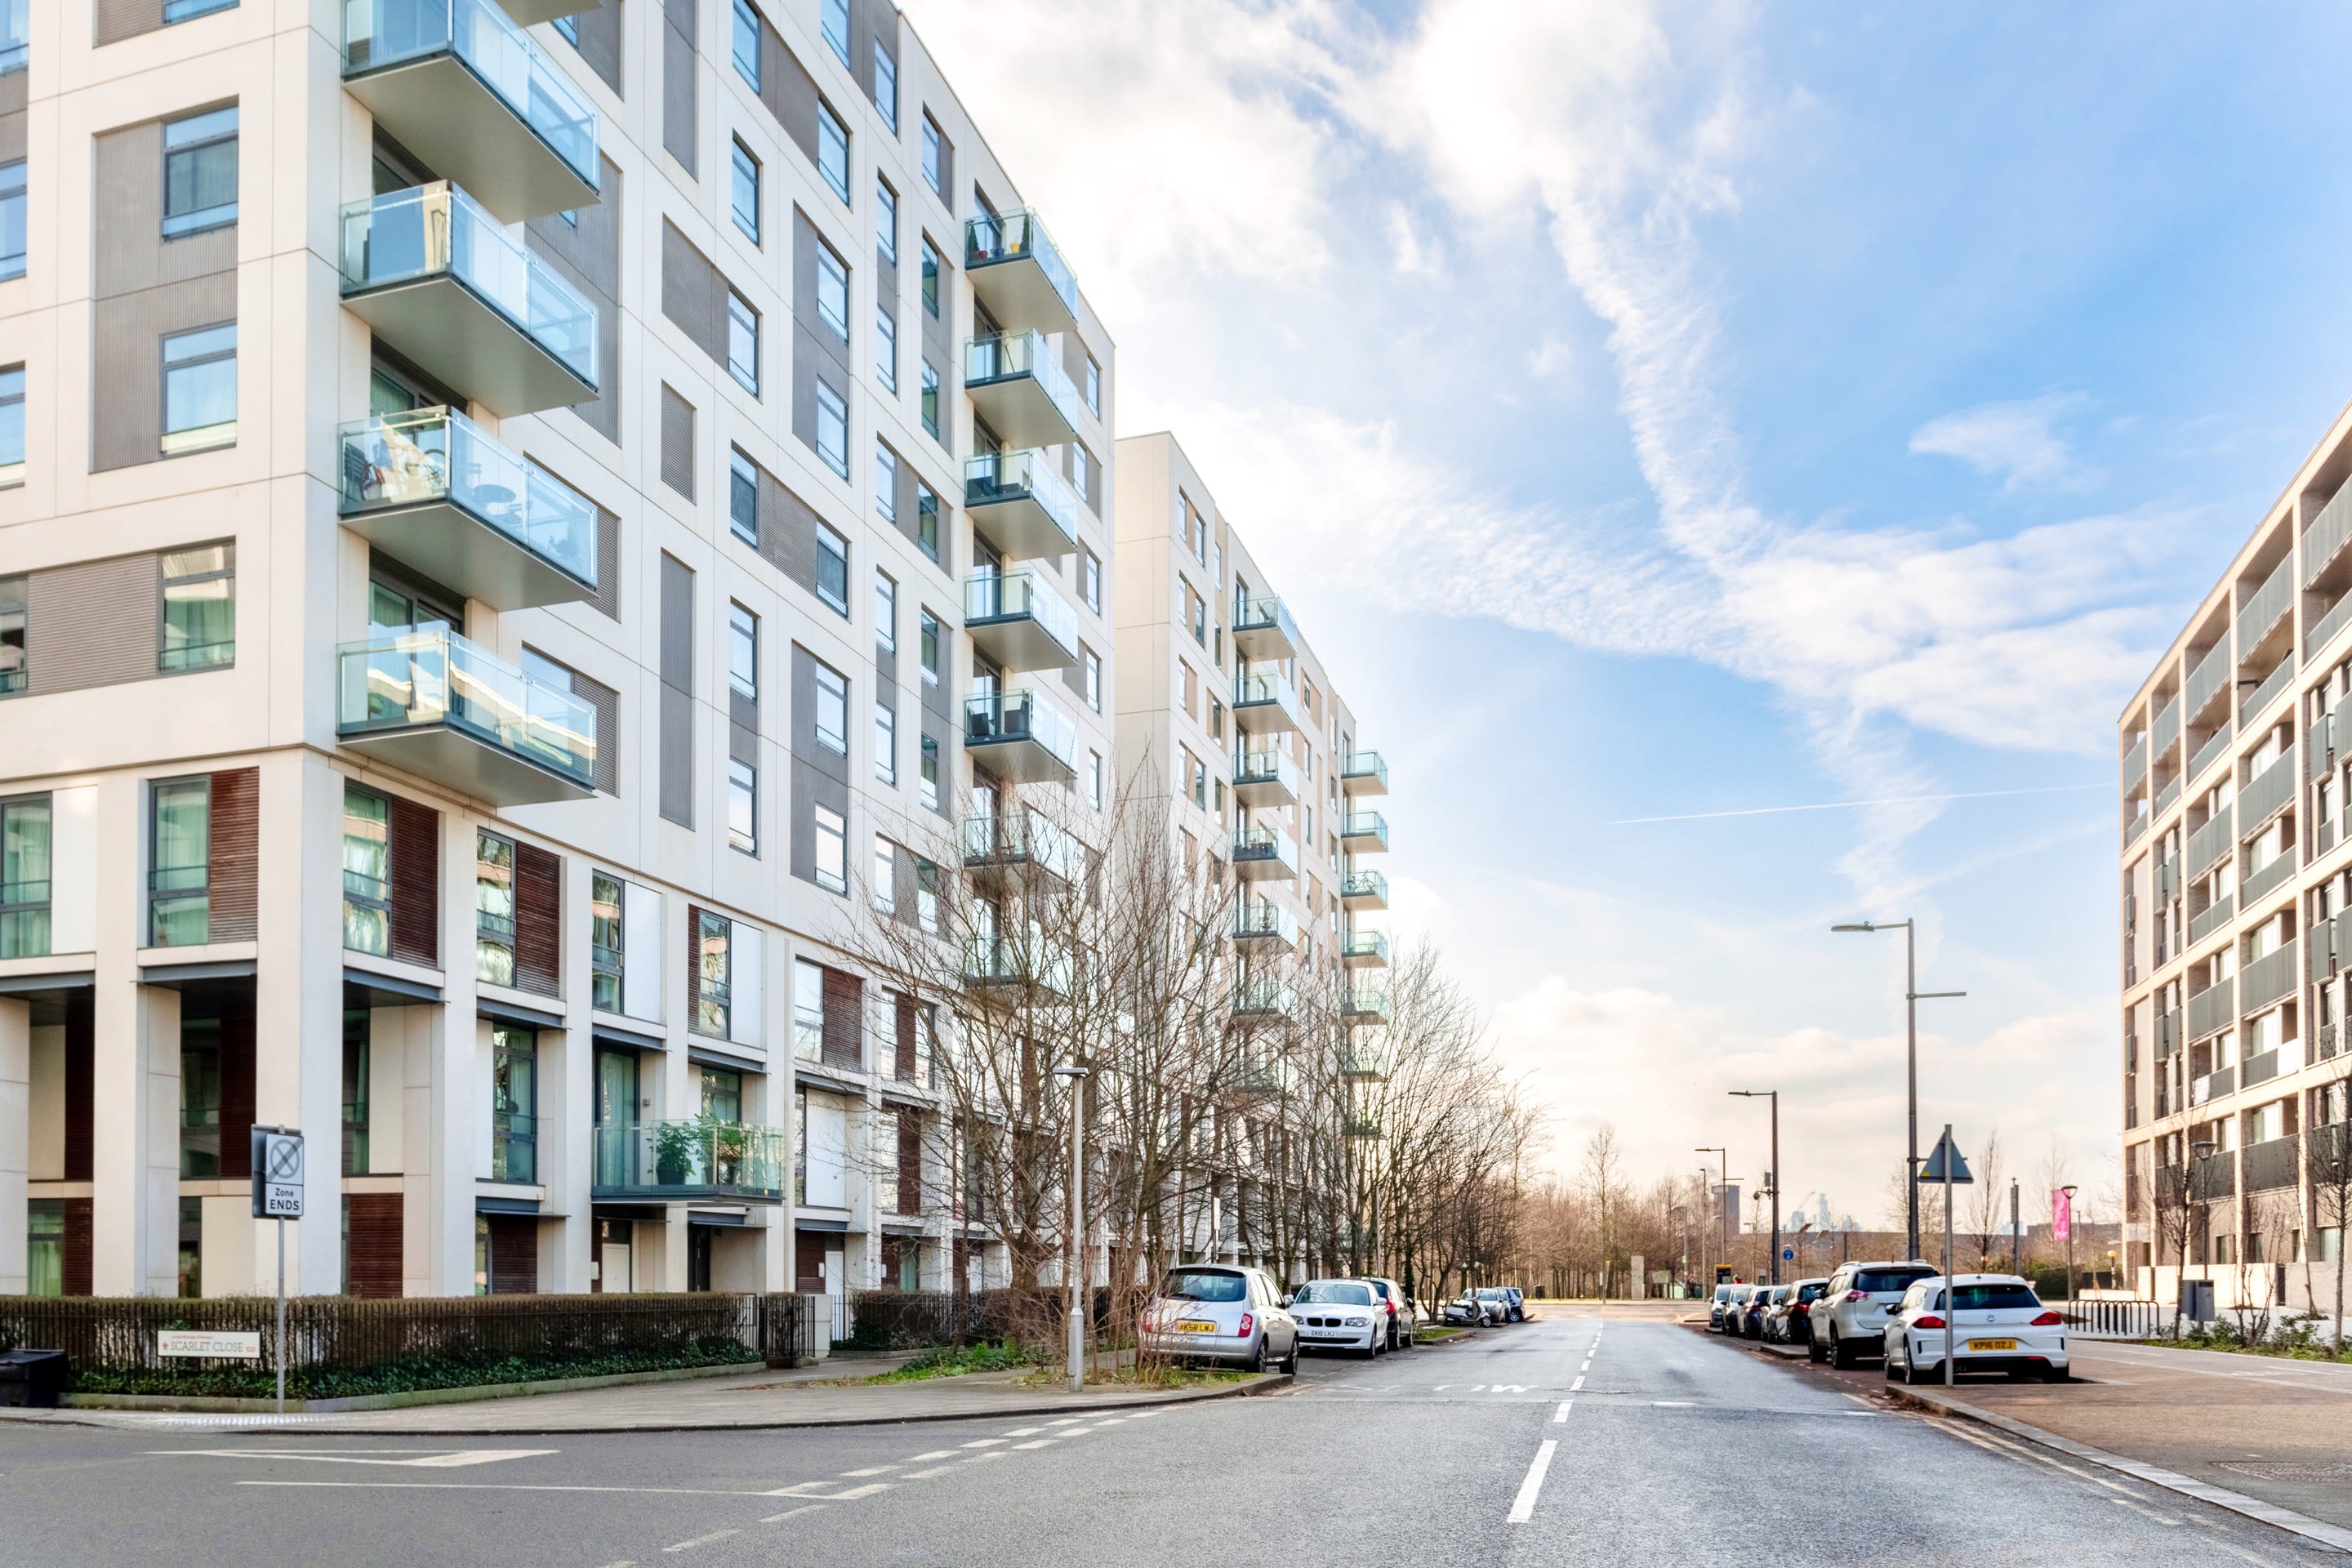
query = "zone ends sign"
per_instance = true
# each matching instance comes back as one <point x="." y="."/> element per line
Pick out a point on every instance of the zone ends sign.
<point x="276" y="1173"/>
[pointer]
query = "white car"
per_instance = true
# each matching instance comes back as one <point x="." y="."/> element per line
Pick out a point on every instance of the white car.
<point x="1340" y="1314"/>
<point x="1215" y="1311"/>
<point x="1848" y="1321"/>
<point x="1995" y="1323"/>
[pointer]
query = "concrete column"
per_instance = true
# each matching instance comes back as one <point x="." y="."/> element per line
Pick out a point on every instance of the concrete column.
<point x="455" y="1115"/>
<point x="568" y="1104"/>
<point x="15" y="1139"/>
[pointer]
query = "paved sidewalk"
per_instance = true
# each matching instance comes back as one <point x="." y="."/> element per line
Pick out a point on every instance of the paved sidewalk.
<point x="807" y="1397"/>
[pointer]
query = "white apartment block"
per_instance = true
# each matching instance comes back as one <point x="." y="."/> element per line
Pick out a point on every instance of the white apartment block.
<point x="2236" y="756"/>
<point x="515" y="519"/>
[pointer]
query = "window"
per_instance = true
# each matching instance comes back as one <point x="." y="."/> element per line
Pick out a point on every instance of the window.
<point x="833" y="151"/>
<point x="886" y="612"/>
<point x="832" y="850"/>
<point x="722" y="1099"/>
<point x="885" y="221"/>
<point x="179" y="856"/>
<point x="832" y="20"/>
<point x="831" y="429"/>
<point x="885" y="84"/>
<point x="45" y="1247"/>
<point x="832" y="291"/>
<point x="934" y="157"/>
<point x="833" y="568"/>
<point x="15" y="34"/>
<point x="885" y="745"/>
<point x="885" y="876"/>
<point x="931" y="648"/>
<point x="886" y="349"/>
<point x="1094" y="386"/>
<point x="494" y="909"/>
<point x="12" y="429"/>
<point x="832" y="710"/>
<point x="12" y="220"/>
<point x="931" y="267"/>
<point x="743" y="806"/>
<point x="25" y="895"/>
<point x="367" y="871"/>
<point x="743" y="652"/>
<point x="1094" y="681"/>
<point x="568" y="27"/>
<point x="200" y="389"/>
<point x="606" y="945"/>
<point x="743" y="342"/>
<point x="1090" y="580"/>
<point x="514" y="1104"/>
<point x="930" y="407"/>
<point x="199" y="172"/>
<point x="808" y="1010"/>
<point x="13" y="664"/>
<point x="1078" y="460"/>
<point x="931" y="770"/>
<point x="199" y="609"/>
<point x="714" y="977"/>
<point x="1095" y="780"/>
<point x="927" y="520"/>
<point x="743" y="498"/>
<point x="747" y="44"/>
<point x="188" y="11"/>
<point x="747" y="193"/>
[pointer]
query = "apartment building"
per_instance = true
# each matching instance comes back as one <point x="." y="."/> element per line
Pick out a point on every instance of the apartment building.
<point x="522" y="522"/>
<point x="2236" y="870"/>
<point x="1224" y="705"/>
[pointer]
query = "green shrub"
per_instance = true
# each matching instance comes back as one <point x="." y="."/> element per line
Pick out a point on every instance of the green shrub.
<point x="453" y="1369"/>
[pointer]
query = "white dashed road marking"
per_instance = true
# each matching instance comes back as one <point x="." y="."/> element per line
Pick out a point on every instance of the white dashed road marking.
<point x="1523" y="1507"/>
<point x="791" y="1513"/>
<point x="702" y="1539"/>
<point x="1560" y="1414"/>
<point x="441" y="1459"/>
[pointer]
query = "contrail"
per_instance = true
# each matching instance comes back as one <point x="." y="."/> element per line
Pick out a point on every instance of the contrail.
<point x="1849" y="805"/>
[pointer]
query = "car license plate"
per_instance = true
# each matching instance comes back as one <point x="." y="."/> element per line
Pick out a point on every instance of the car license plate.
<point x="1992" y="1344"/>
<point x="1195" y="1326"/>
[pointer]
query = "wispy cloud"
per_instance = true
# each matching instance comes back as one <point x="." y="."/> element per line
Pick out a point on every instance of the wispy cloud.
<point x="2016" y="443"/>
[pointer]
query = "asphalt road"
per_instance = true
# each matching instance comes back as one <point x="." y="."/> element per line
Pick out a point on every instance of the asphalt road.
<point x="1569" y="1440"/>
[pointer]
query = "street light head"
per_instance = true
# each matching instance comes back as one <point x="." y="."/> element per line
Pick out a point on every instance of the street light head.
<point x="1072" y="1072"/>
<point x="1854" y="925"/>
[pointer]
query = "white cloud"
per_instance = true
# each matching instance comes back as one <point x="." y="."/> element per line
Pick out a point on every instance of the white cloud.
<point x="2016" y="443"/>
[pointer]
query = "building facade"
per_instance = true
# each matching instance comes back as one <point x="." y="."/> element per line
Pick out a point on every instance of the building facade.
<point x="520" y="522"/>
<point x="2234" y="755"/>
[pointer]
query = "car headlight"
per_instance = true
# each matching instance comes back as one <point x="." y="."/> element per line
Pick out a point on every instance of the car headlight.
<point x="1358" y="1322"/>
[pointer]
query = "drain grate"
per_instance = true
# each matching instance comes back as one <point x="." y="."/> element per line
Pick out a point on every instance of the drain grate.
<point x="2289" y="1469"/>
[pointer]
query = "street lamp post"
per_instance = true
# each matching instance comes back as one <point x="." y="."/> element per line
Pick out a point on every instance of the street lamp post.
<point x="1912" y="997"/>
<point x="2069" y="1191"/>
<point x="1075" y="1268"/>
<point x="1722" y="1158"/>
<point x="1771" y="1177"/>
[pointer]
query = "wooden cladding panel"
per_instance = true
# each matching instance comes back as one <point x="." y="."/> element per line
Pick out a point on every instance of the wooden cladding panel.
<point x="232" y="867"/>
<point x="910" y="1161"/>
<point x="81" y="1088"/>
<point x="239" y="1093"/>
<point x="514" y="1255"/>
<point x="694" y="969"/>
<point x="77" y="1247"/>
<point x="539" y="920"/>
<point x="415" y="853"/>
<point x="843" y="1020"/>
<point x="373" y="1257"/>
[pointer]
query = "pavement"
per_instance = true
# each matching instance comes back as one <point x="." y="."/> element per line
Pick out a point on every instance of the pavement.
<point x="1583" y="1436"/>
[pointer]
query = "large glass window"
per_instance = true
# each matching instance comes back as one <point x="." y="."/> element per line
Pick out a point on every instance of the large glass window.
<point x="931" y="278"/>
<point x="934" y="157"/>
<point x="200" y="389"/>
<point x="494" y="909"/>
<point x="808" y="1010"/>
<point x="199" y="172"/>
<point x="832" y="568"/>
<point x="1094" y="385"/>
<point x="885" y="221"/>
<point x="931" y="648"/>
<point x="743" y="806"/>
<point x="885" y="876"/>
<point x="743" y="498"/>
<point x="832" y="291"/>
<point x="742" y="652"/>
<point x="886" y="612"/>
<point x="15" y="669"/>
<point x="746" y="48"/>
<point x="44" y="1251"/>
<point x="1090" y="580"/>
<point x="747" y="193"/>
<point x="833" y="429"/>
<point x="13" y="228"/>
<point x="12" y="425"/>
<point x="24" y="865"/>
<point x="199" y="608"/>
<point x="607" y="947"/>
<point x="886" y="349"/>
<point x="514" y="1105"/>
<point x="832" y="20"/>
<point x="930" y="772"/>
<point x="832" y="850"/>
<point x="356" y="1092"/>
<point x="832" y="709"/>
<point x="832" y="150"/>
<point x="885" y="745"/>
<point x="178" y="859"/>
<point x="927" y="518"/>
<point x="714" y="978"/>
<point x="188" y="11"/>
<point x="1093" y="681"/>
<point x="886" y="483"/>
<point x="367" y="872"/>
<point x="885" y="84"/>
<point x="723" y="1095"/>
<point x="930" y="407"/>
<point x="743" y="342"/>
<point x="15" y="34"/>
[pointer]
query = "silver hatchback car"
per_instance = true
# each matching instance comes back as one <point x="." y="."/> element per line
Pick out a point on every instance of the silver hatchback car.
<point x="1222" y="1313"/>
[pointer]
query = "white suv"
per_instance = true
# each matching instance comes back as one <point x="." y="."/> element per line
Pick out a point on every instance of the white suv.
<point x="1848" y="1321"/>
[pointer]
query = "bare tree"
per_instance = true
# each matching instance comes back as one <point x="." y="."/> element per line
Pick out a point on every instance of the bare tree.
<point x="2328" y="1160"/>
<point x="1988" y="1200"/>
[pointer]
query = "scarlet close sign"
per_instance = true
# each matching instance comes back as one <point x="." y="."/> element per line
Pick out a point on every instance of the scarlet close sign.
<point x="277" y="1174"/>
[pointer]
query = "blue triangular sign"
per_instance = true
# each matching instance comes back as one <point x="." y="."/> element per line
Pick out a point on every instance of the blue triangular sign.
<point x="1945" y="1157"/>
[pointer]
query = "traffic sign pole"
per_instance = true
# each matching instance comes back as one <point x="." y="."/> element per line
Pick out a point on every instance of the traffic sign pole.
<point x="281" y="1315"/>
<point x="278" y="1184"/>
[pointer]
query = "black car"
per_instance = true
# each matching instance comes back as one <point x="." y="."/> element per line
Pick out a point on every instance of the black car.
<point x="1751" y="1316"/>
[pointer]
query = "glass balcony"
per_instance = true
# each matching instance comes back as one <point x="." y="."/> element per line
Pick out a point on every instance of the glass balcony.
<point x="1017" y="619"/>
<point x="1263" y="628"/>
<point x="1260" y="1078"/>
<point x="693" y="1158"/>
<point x="1362" y="1006"/>
<point x="431" y="488"/>
<point x="1021" y="736"/>
<point x="1364" y="833"/>
<point x="1008" y="966"/>
<point x="1261" y="997"/>
<point x="1020" y="500"/>
<point x="1364" y="950"/>
<point x="1019" y="273"/>
<point x="1263" y="853"/>
<point x="1001" y="847"/>
<point x="1265" y="704"/>
<point x="1364" y="773"/>
<point x="1021" y="389"/>
<point x="1266" y="923"/>
<point x="531" y="13"/>
<point x="1364" y="1065"/>
<point x="462" y="87"/>
<point x="437" y="278"/>
<point x="1364" y="1124"/>
<point x="1265" y="778"/>
<point x="433" y="704"/>
<point x="1363" y="890"/>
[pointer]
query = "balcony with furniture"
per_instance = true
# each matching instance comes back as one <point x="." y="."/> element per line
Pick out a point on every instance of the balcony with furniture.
<point x="1020" y="499"/>
<point x="1003" y="851"/>
<point x="1006" y="970"/>
<point x="1262" y="999"/>
<point x="1019" y="735"/>
<point x="1263" y="925"/>
<point x="1263" y="853"/>
<point x="1266" y="704"/>
<point x="431" y="703"/>
<point x="1263" y="628"/>
<point x="1017" y="385"/>
<point x="1265" y="778"/>
<point x="1363" y="890"/>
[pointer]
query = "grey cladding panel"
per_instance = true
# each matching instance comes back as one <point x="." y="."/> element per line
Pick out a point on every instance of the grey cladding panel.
<point x="93" y="624"/>
<point x="127" y="223"/>
<point x="685" y="16"/>
<point x="600" y="32"/>
<point x="787" y="530"/>
<point x="807" y="246"/>
<point x="1074" y="678"/>
<point x="806" y="748"/>
<point x="677" y="623"/>
<point x="812" y="789"/>
<point x="938" y="332"/>
<point x="610" y="567"/>
<point x="607" y="704"/>
<point x="678" y="81"/>
<point x="12" y="131"/>
<point x="677" y="442"/>
<point x="121" y="19"/>
<point x="886" y="675"/>
<point x="593" y="244"/>
<point x="788" y="90"/>
<point x="870" y="21"/>
<point x="693" y="295"/>
<point x="805" y="358"/>
<point x="677" y="756"/>
<point x="743" y="744"/>
<point x="942" y="733"/>
<point x="127" y="379"/>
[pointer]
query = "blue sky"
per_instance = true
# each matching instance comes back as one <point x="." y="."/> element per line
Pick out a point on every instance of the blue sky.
<point x="1656" y="409"/>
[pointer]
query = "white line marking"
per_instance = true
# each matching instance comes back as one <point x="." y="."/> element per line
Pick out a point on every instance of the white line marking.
<point x="791" y="1513"/>
<point x="501" y="1487"/>
<point x="1561" y="1413"/>
<point x="869" y="1490"/>
<point x="1068" y="1421"/>
<point x="1577" y="1387"/>
<point x="1587" y="1366"/>
<point x="2136" y="1508"/>
<point x="927" y="1475"/>
<point x="439" y="1459"/>
<point x="1025" y="1431"/>
<point x="872" y="1470"/>
<point x="984" y="1443"/>
<point x="1037" y="1442"/>
<point x="1523" y="1507"/>
<point x="702" y="1539"/>
<point x="934" y="1454"/>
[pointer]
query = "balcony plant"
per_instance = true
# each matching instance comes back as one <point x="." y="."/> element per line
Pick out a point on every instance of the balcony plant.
<point x="675" y="1143"/>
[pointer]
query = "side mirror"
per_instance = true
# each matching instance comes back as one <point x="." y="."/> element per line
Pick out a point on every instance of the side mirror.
<point x="1286" y="1301"/>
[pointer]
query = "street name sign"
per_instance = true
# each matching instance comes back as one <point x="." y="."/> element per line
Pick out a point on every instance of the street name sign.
<point x="207" y="1342"/>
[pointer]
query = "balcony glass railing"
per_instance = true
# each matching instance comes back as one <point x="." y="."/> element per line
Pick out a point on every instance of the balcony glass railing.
<point x="1365" y="825"/>
<point x="991" y="598"/>
<point x="1251" y="769"/>
<point x="1262" y="994"/>
<point x="1021" y="837"/>
<point x="1365" y="765"/>
<point x="1363" y="1004"/>
<point x="437" y="231"/>
<point x="994" y="239"/>
<point x="994" y="479"/>
<point x="437" y="455"/>
<point x="1007" y="960"/>
<point x="692" y="1157"/>
<point x="1263" y="845"/>
<point x="381" y="34"/>
<point x="1004" y="718"/>
<point x="1265" y="689"/>
<point x="1371" y="944"/>
<point x="1364" y="885"/>
<point x="415" y="679"/>
<point x="1261" y="921"/>
<point x="1011" y="355"/>
<point x="1262" y="612"/>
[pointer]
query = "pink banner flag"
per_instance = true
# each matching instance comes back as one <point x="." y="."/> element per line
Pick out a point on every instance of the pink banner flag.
<point x="2062" y="1214"/>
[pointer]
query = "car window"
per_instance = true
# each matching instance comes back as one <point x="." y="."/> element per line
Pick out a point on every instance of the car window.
<point x="1811" y="1292"/>
<point x="1995" y="1298"/>
<point x="1204" y="1285"/>
<point x="1335" y="1292"/>
<point x="1880" y="1280"/>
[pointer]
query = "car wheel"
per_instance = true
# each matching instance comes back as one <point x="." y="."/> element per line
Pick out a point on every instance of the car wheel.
<point x="1256" y="1362"/>
<point x="1815" y="1353"/>
<point x="1839" y="1358"/>
<point x="1915" y="1375"/>
<point x="2054" y="1374"/>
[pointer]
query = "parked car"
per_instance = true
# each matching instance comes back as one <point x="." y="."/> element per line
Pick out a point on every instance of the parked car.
<point x="1785" y="1320"/>
<point x="1518" y="1303"/>
<point x="1714" y="1309"/>
<point x="1995" y="1324"/>
<point x="1399" y="1307"/>
<point x="1464" y="1311"/>
<point x="1340" y="1314"/>
<point x="1499" y="1297"/>
<point x="1849" y="1323"/>
<point x="1208" y="1311"/>
<point x="1751" y="1316"/>
<point x="1736" y="1305"/>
